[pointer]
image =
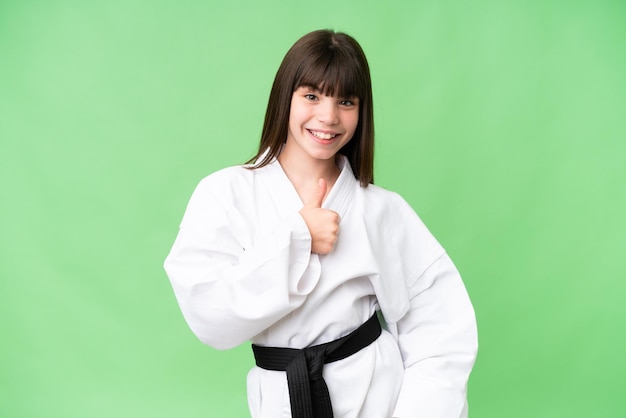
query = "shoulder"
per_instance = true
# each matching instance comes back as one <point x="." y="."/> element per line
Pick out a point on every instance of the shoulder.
<point x="391" y="220"/>
<point x="222" y="187"/>
<point x="217" y="194"/>
<point x="227" y="180"/>
<point x="382" y="202"/>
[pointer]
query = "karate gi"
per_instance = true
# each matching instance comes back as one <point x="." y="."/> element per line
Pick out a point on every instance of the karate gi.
<point x="242" y="269"/>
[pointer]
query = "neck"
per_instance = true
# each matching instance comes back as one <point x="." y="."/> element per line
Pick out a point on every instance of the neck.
<point x="304" y="173"/>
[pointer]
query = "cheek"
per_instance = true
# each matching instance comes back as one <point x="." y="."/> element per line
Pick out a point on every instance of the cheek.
<point x="353" y="121"/>
<point x="295" y="116"/>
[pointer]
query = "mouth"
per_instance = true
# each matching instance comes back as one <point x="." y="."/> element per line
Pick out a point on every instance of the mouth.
<point x="323" y="137"/>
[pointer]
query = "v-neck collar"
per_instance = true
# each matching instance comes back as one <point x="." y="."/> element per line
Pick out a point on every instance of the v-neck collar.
<point x="338" y="199"/>
<point x="344" y="189"/>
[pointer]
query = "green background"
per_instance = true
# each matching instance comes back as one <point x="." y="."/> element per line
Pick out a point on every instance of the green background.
<point x="502" y="123"/>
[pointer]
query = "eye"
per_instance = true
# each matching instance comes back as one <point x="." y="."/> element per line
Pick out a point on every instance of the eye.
<point x="347" y="102"/>
<point x="310" y="97"/>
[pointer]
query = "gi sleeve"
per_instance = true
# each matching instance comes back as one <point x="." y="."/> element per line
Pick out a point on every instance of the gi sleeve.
<point x="438" y="342"/>
<point x="232" y="284"/>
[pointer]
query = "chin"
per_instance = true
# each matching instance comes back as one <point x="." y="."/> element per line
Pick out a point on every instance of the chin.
<point x="323" y="155"/>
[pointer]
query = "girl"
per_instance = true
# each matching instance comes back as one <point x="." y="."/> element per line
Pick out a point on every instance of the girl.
<point x="297" y="251"/>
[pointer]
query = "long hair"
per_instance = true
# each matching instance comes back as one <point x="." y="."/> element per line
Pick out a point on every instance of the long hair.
<point x="334" y="63"/>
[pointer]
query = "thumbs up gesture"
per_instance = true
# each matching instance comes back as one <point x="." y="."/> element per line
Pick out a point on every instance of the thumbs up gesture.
<point x="323" y="224"/>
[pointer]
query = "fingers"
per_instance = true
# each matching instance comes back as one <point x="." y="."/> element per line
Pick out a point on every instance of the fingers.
<point x="324" y="239"/>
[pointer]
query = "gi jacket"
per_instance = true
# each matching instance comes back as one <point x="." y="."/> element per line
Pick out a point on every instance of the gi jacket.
<point x="242" y="269"/>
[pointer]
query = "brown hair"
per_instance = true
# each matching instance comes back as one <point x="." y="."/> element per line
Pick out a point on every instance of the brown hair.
<point x="334" y="63"/>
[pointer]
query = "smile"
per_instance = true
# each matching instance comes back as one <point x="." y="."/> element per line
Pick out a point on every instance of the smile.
<point x="323" y="135"/>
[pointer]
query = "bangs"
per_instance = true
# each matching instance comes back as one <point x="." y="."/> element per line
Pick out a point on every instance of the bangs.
<point x="333" y="74"/>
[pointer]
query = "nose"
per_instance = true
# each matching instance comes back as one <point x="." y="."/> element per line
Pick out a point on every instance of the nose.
<point x="328" y="112"/>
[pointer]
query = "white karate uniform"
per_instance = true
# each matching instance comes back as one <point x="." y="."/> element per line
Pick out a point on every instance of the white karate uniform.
<point x="242" y="269"/>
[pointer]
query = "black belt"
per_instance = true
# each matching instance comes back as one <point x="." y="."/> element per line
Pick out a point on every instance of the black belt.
<point x="308" y="392"/>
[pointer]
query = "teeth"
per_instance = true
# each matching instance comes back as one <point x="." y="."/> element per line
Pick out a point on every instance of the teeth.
<point x="322" y="135"/>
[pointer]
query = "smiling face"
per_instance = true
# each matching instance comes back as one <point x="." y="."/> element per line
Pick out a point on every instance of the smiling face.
<point x="334" y="63"/>
<point x="320" y="125"/>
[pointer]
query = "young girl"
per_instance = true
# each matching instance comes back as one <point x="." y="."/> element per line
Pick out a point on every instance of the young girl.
<point x="297" y="251"/>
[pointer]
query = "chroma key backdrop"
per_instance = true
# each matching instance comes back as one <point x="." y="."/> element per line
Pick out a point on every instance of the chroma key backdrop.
<point x="503" y="123"/>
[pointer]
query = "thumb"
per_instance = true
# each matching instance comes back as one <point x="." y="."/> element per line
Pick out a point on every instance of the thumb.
<point x="318" y="197"/>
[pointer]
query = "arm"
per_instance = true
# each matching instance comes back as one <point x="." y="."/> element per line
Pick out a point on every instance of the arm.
<point x="438" y="342"/>
<point x="232" y="284"/>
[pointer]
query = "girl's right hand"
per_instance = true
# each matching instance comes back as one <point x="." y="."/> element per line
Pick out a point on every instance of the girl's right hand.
<point x="323" y="224"/>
